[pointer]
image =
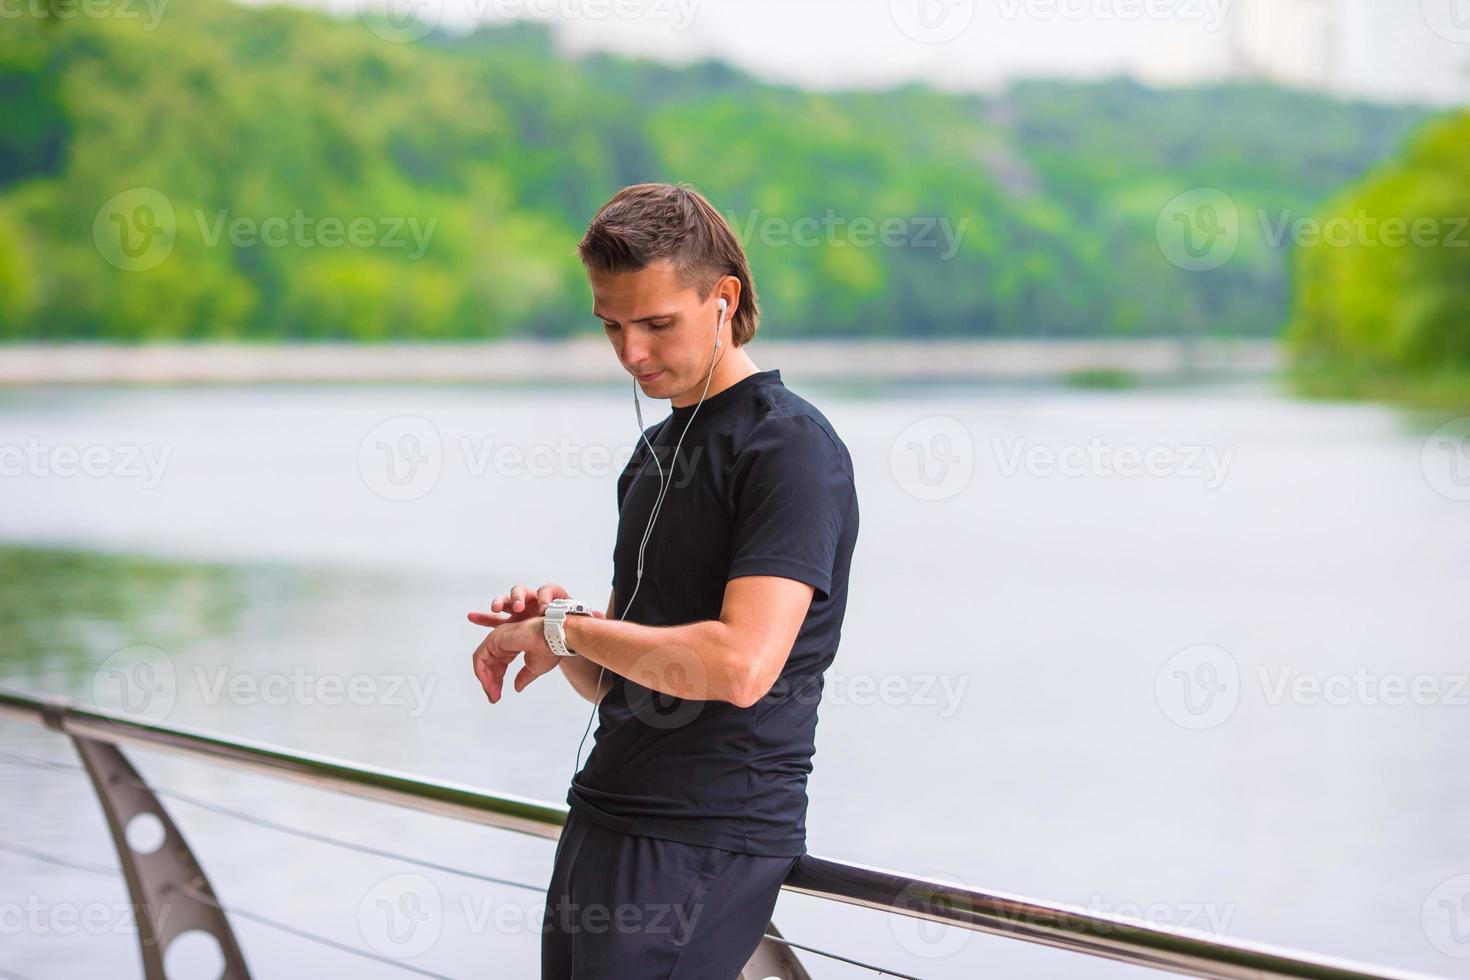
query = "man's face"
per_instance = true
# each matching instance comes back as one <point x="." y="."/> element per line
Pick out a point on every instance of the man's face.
<point x="658" y="327"/>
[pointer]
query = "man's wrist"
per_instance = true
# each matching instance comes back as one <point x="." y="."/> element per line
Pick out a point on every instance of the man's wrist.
<point x="558" y="616"/>
<point x="572" y="630"/>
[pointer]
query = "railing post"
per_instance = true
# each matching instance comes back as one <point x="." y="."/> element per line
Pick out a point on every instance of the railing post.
<point x="171" y="895"/>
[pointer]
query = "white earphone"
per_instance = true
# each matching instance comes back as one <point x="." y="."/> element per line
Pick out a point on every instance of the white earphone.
<point x="657" y="504"/>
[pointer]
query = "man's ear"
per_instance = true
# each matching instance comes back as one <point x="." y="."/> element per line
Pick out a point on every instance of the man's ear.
<point x="728" y="289"/>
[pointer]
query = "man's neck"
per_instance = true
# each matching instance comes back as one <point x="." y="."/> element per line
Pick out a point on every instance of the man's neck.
<point x="728" y="370"/>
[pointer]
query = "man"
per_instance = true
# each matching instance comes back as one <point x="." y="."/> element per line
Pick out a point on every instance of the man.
<point x="707" y="665"/>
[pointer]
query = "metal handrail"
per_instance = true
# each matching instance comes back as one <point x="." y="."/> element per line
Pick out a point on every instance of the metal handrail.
<point x="996" y="913"/>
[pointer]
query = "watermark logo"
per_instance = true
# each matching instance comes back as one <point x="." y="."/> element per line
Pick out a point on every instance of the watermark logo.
<point x="1198" y="687"/>
<point x="138" y="681"/>
<point x="1198" y="230"/>
<point x="1285" y="684"/>
<point x="402" y="458"/>
<point x="1450" y="19"/>
<point x="401" y="916"/>
<point x="1207" y="464"/>
<point x="1198" y="918"/>
<point x="933" y="458"/>
<point x="135" y="230"/>
<point x="1445" y="459"/>
<point x="1208" y="13"/>
<point x="302" y="230"/>
<point x="663" y="667"/>
<point x="1446" y="917"/>
<point x="35" y="458"/>
<point x="36" y="917"/>
<point x="1363" y="230"/>
<point x="142" y="681"/>
<point x="832" y="230"/>
<point x="400" y="21"/>
<point x="924" y="937"/>
<point x="679" y="14"/>
<point x="932" y="21"/>
<point x="306" y="688"/>
<point x="150" y="11"/>
<point x="943" y="692"/>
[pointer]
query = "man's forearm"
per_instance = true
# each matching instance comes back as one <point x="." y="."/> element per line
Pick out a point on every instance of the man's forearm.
<point x="697" y="661"/>
<point x="583" y="674"/>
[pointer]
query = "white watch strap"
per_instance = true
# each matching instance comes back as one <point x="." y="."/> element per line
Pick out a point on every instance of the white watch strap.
<point x="554" y="627"/>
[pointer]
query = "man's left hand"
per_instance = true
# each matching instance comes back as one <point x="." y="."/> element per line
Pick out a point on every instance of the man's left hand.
<point x="500" y="648"/>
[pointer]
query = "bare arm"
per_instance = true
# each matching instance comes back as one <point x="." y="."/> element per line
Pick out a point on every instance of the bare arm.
<point x="735" y="658"/>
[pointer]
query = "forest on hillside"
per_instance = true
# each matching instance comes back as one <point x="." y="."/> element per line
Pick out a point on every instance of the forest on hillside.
<point x="270" y="173"/>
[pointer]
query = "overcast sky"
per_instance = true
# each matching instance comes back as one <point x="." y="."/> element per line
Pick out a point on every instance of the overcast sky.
<point x="1389" y="47"/>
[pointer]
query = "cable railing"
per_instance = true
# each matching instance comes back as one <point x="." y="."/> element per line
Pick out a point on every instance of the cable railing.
<point x="172" y="877"/>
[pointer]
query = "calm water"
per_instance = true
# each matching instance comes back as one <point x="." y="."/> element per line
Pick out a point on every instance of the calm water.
<point x="1228" y="693"/>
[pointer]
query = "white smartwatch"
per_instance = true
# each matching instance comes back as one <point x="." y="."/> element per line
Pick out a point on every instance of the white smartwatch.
<point x="556" y="613"/>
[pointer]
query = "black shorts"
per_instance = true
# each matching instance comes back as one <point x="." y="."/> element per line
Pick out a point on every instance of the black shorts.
<point x="641" y="908"/>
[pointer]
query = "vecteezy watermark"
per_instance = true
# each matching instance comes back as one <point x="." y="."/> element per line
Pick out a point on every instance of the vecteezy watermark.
<point x="895" y="690"/>
<point x="933" y="458"/>
<point x="1450" y="19"/>
<point x="1200" y="687"/>
<point x="123" y="461"/>
<point x="932" y="21"/>
<point x="404" y="21"/>
<point x="652" y="680"/>
<point x="401" y="916"/>
<point x="35" y="917"/>
<point x="139" y="681"/>
<point x="299" y="686"/>
<point x="1363" y="229"/>
<point x="143" y="682"/>
<point x="566" y="458"/>
<point x="674" y="920"/>
<point x="137" y="230"/>
<point x="149" y="11"/>
<point x="302" y="230"/>
<point x="678" y="14"/>
<point x="400" y="21"/>
<point x="1209" y="13"/>
<point x="838" y="231"/>
<point x="1445" y="916"/>
<point x="403" y="458"/>
<point x="1198" y="230"/>
<point x="1207" y="464"/>
<point x="1283" y="684"/>
<point x="1445" y="459"/>
<point x="1210" y="919"/>
<point x="931" y="894"/>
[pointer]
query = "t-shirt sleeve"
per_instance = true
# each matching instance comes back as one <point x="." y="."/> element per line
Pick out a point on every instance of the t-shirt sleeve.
<point x="791" y="490"/>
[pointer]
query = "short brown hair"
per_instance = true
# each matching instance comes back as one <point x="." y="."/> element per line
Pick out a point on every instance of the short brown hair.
<point x="647" y="222"/>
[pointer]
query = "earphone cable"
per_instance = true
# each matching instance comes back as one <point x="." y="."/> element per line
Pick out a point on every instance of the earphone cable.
<point x="657" y="506"/>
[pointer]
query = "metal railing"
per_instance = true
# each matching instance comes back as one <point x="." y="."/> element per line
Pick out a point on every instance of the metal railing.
<point x="173" y="873"/>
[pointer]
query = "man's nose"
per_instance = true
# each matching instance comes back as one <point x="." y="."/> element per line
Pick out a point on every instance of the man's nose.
<point x="634" y="353"/>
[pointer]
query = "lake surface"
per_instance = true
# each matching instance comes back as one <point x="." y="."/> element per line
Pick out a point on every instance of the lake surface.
<point x="1196" y="655"/>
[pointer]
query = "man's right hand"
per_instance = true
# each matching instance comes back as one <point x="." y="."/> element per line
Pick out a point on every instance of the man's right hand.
<point x="522" y="603"/>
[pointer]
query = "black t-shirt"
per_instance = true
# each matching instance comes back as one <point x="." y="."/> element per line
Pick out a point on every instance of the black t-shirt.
<point x="762" y="486"/>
